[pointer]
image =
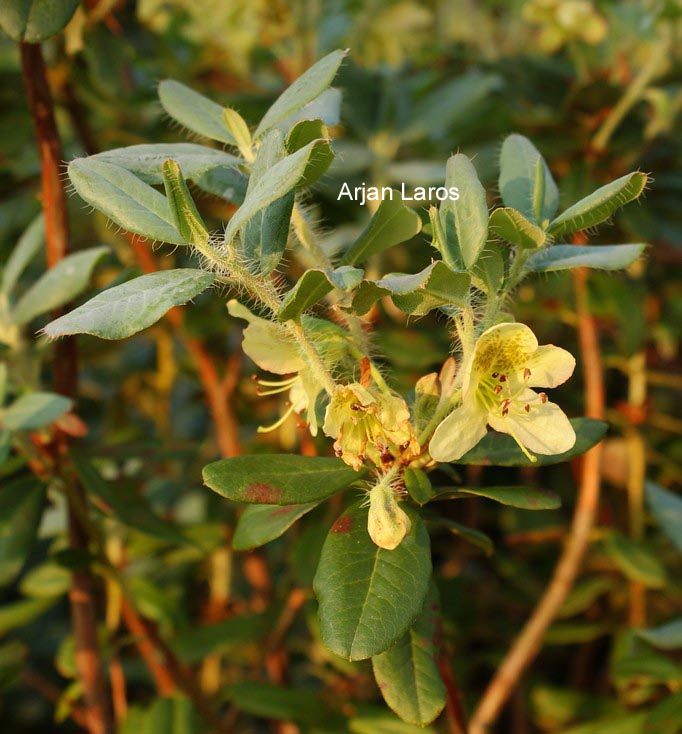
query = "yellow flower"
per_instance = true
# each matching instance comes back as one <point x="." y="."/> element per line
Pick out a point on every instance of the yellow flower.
<point x="368" y="424"/>
<point x="270" y="347"/>
<point x="496" y="391"/>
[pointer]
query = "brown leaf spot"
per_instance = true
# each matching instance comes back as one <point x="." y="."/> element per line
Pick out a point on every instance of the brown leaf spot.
<point x="343" y="524"/>
<point x="262" y="494"/>
<point x="283" y="510"/>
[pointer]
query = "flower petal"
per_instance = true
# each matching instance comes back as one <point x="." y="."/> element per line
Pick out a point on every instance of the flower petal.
<point x="459" y="432"/>
<point x="550" y="366"/>
<point x="545" y="429"/>
<point x="267" y="343"/>
<point x="504" y="348"/>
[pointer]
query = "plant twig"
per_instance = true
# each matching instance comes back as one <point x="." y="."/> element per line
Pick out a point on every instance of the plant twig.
<point x="51" y="693"/>
<point x="528" y="643"/>
<point x="457" y="723"/>
<point x="218" y="391"/>
<point x="81" y="594"/>
<point x="159" y="656"/>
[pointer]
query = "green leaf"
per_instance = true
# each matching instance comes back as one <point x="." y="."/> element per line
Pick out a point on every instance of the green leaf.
<point x="525" y="181"/>
<point x="599" y="205"/>
<point x="173" y="715"/>
<point x="186" y="217"/>
<point x="498" y="449"/>
<point x="635" y="561"/>
<point x="264" y="237"/>
<point x="489" y="271"/>
<point x="130" y="307"/>
<point x="369" y="596"/>
<point x="276" y="702"/>
<point x="384" y="722"/>
<point x="282" y="178"/>
<point x="601" y="257"/>
<point x="449" y="106"/>
<point x="407" y="673"/>
<point x="239" y="130"/>
<point x="306" y="132"/>
<point x="278" y="479"/>
<point x="464" y="222"/>
<point x="127" y="505"/>
<point x="21" y="507"/>
<point x="195" y="643"/>
<point x="646" y="666"/>
<point x="305" y="89"/>
<point x="194" y="111"/>
<point x="418" y="486"/>
<point x="666" y="507"/>
<point x="28" y="246"/>
<point x="666" y="637"/>
<point x="627" y="723"/>
<point x="125" y="199"/>
<point x="146" y="160"/>
<point x="392" y="223"/>
<point x="259" y="524"/>
<point x="471" y="535"/>
<point x="512" y="226"/>
<point x="33" y="21"/>
<point x="584" y="595"/>
<point x="58" y="285"/>
<point x="22" y="612"/>
<point x="313" y="286"/>
<point x="34" y="410"/>
<point x="525" y="498"/>
<point x="48" y="579"/>
<point x="435" y="286"/>
<point x="665" y="717"/>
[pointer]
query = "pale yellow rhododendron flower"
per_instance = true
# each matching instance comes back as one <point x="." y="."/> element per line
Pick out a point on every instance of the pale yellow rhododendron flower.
<point x="368" y="424"/>
<point x="496" y="391"/>
<point x="271" y="348"/>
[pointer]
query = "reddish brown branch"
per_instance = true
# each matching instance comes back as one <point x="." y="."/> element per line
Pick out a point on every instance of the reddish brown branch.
<point x="51" y="693"/>
<point x="457" y="723"/>
<point x="81" y="595"/>
<point x="168" y="671"/>
<point x="218" y="390"/>
<point x="527" y="644"/>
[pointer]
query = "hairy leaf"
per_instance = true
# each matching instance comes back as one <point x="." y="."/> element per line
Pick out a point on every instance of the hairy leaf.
<point x="525" y="181"/>
<point x="194" y="111"/>
<point x="601" y="257"/>
<point x="58" y="285"/>
<point x="600" y="205"/>
<point x="125" y="309"/>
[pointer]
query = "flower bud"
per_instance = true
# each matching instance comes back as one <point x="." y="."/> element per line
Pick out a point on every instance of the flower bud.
<point x="387" y="523"/>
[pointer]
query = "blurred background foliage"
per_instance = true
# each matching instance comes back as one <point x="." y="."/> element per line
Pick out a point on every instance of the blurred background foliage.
<point x="598" y="87"/>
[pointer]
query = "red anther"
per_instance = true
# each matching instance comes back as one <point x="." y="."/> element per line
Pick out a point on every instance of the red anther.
<point x="355" y="406"/>
<point x="496" y="374"/>
<point x="526" y="373"/>
<point x="338" y="451"/>
<point x="254" y="377"/>
<point x="505" y="411"/>
<point x="543" y="397"/>
<point x="526" y="407"/>
<point x="503" y="378"/>
<point x="498" y="389"/>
